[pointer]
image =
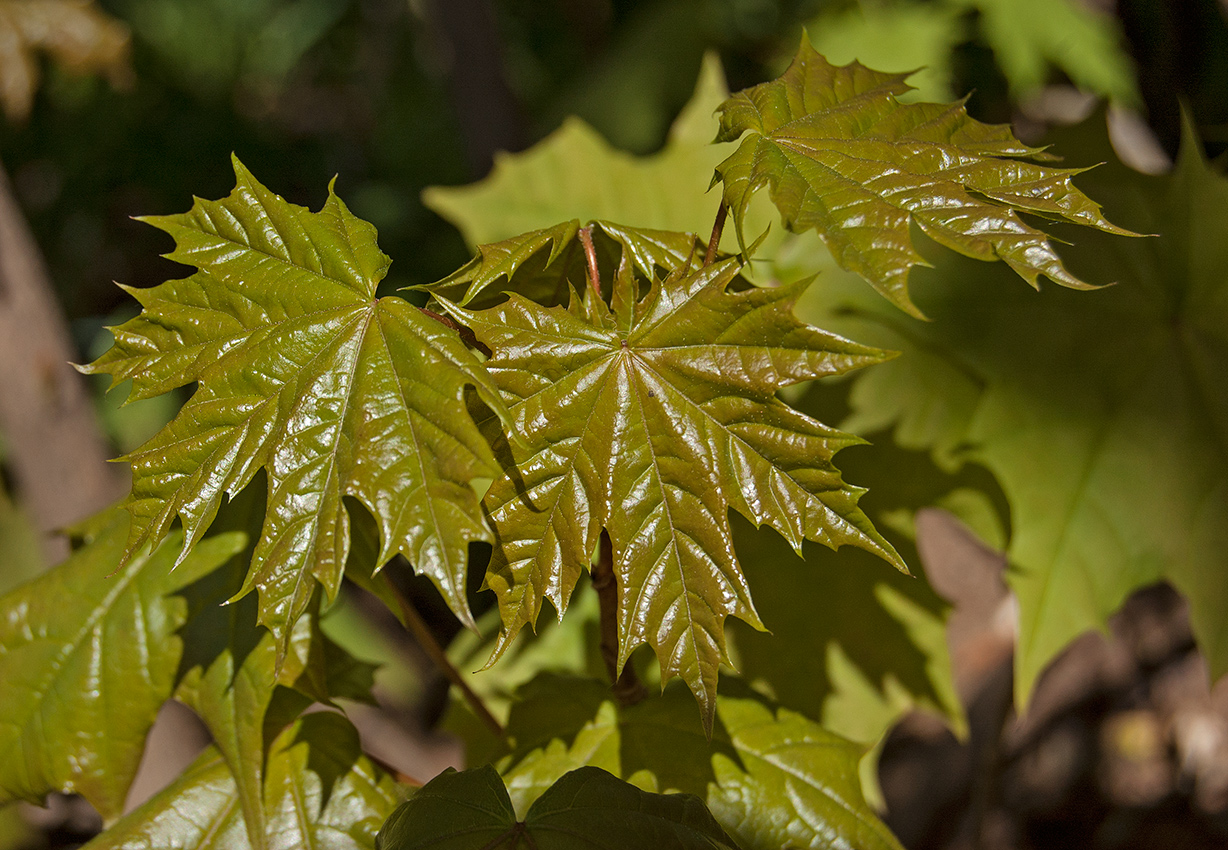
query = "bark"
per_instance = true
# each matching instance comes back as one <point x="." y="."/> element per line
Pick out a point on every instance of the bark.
<point x="54" y="448"/>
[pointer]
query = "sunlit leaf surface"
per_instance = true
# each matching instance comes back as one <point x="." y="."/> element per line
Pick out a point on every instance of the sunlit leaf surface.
<point x="771" y="777"/>
<point x="651" y="419"/>
<point x="87" y="657"/>
<point x="303" y="371"/>
<point x="320" y="793"/>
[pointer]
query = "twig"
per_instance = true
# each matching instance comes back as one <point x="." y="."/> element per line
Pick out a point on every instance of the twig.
<point x="628" y="689"/>
<point x="590" y="254"/>
<point x="718" y="227"/>
<point x="426" y="639"/>
<point x="467" y="336"/>
<point x="399" y="775"/>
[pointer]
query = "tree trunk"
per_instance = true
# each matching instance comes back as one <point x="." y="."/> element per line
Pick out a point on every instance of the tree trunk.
<point x="54" y="448"/>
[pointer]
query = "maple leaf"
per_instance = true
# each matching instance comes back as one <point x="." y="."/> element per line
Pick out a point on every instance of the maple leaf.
<point x="303" y="371"/>
<point x="841" y="155"/>
<point x="651" y="419"/>
<point x="1102" y="415"/>
<point x="320" y="791"/>
<point x="574" y="173"/>
<point x="771" y="777"/>
<point x="79" y="35"/>
<point x="88" y="655"/>
<point x="549" y="277"/>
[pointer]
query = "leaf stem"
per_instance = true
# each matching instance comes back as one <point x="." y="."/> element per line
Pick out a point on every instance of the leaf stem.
<point x="467" y="336"/>
<point x="628" y="689"/>
<point x="426" y="639"/>
<point x="718" y="227"/>
<point x="590" y="254"/>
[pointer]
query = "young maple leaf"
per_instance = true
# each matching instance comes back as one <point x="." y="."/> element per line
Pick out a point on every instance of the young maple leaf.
<point x="651" y="418"/>
<point x="301" y="370"/>
<point x="842" y="156"/>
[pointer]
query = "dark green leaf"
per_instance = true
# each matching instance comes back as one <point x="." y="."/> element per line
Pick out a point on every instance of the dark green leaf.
<point x="651" y="421"/>
<point x="302" y="371"/>
<point x="88" y="654"/>
<point x="842" y="156"/>
<point x="586" y="809"/>
<point x="771" y="777"/>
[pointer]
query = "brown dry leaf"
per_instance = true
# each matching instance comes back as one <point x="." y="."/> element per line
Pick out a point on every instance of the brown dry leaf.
<point x="76" y="33"/>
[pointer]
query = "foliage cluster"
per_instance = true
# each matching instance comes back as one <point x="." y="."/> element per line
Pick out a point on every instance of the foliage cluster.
<point x="626" y="406"/>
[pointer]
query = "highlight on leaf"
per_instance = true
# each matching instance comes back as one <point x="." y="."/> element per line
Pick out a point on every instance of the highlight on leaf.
<point x="650" y="418"/>
<point x="303" y="371"/>
<point x="842" y="156"/>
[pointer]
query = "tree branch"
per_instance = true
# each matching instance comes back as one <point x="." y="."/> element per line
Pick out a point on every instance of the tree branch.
<point x="467" y="336"/>
<point x="590" y="254"/>
<point x="718" y="227"/>
<point x="426" y="639"/>
<point x="628" y="689"/>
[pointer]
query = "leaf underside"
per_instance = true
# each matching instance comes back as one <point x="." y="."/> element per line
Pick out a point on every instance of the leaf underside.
<point x="302" y="371"/>
<point x="842" y="156"/>
<point x="650" y="419"/>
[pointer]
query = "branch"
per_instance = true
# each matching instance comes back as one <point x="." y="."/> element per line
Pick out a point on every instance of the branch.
<point x="718" y="227"/>
<point x="467" y="336"/>
<point x="590" y="254"/>
<point x="628" y="689"/>
<point x="426" y="639"/>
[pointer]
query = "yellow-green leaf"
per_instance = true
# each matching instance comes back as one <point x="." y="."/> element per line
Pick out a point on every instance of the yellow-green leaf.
<point x="303" y="371"/>
<point x="88" y="654"/>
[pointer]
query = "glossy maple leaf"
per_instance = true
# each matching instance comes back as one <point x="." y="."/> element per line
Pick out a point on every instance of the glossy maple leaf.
<point x="303" y="371"/>
<point x="651" y="418"/>
<point x="842" y="156"/>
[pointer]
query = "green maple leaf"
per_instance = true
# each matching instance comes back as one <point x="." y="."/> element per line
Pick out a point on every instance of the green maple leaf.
<point x="319" y="792"/>
<point x="771" y="777"/>
<point x="549" y="277"/>
<point x="229" y="674"/>
<point x="842" y="156"/>
<point x="576" y="174"/>
<point x="303" y="371"/>
<point x="72" y="643"/>
<point x="651" y="420"/>
<point x="1101" y="414"/>
<point x="587" y="809"/>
